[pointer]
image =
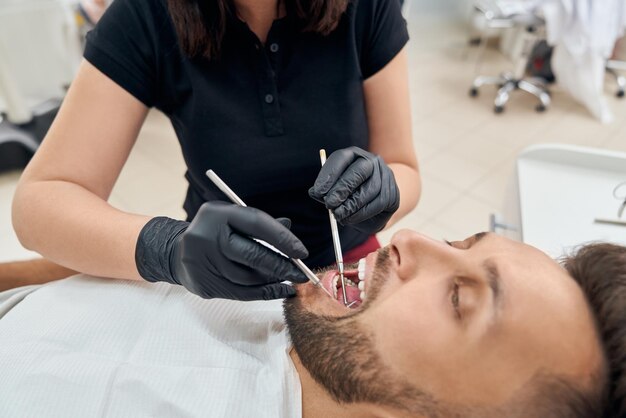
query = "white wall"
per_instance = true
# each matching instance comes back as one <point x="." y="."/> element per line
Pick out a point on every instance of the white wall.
<point x="452" y="9"/>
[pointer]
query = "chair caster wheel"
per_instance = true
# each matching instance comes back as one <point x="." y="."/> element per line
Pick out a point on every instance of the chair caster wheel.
<point x="498" y="109"/>
<point x="541" y="108"/>
<point x="620" y="94"/>
<point x="473" y="92"/>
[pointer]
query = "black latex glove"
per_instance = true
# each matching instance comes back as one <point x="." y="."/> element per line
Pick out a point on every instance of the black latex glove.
<point x="359" y="188"/>
<point x="215" y="256"/>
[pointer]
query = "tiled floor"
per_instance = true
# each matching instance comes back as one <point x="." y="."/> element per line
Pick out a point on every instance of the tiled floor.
<point x="466" y="152"/>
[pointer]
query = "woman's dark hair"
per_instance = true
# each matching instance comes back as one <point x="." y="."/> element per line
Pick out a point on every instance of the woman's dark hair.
<point x="201" y="24"/>
<point x="600" y="270"/>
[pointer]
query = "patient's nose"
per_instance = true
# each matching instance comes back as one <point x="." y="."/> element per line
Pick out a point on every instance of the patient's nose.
<point x="416" y="252"/>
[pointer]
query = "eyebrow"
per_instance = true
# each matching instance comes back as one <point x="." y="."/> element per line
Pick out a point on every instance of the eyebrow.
<point x="477" y="237"/>
<point x="494" y="281"/>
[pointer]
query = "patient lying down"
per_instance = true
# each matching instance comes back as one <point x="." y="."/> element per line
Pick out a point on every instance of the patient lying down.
<point x="485" y="327"/>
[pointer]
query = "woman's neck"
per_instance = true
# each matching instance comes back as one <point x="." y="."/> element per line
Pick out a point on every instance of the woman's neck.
<point x="260" y="14"/>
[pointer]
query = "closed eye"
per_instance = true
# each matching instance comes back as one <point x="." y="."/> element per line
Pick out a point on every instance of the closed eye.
<point x="459" y="245"/>
<point x="467" y="243"/>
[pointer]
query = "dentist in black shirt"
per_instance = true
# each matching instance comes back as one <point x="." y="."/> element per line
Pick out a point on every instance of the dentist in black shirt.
<point x="253" y="88"/>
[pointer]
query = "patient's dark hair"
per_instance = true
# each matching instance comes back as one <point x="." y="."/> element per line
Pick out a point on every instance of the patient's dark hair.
<point x="201" y="24"/>
<point x="600" y="270"/>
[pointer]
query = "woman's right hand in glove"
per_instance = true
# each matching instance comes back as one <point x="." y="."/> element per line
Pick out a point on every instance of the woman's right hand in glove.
<point x="216" y="257"/>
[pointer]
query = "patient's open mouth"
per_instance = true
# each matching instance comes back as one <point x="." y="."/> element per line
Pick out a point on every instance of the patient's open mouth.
<point x="355" y="285"/>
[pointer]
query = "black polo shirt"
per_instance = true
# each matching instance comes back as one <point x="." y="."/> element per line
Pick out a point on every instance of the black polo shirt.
<point x="259" y="115"/>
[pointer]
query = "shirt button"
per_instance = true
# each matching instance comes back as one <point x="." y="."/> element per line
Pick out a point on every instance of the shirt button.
<point x="269" y="99"/>
<point x="274" y="47"/>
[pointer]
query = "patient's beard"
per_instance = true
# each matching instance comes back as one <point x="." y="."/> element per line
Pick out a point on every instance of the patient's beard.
<point x="340" y="355"/>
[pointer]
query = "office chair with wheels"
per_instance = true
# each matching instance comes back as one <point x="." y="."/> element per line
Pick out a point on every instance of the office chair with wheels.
<point x="616" y="69"/>
<point x="503" y="15"/>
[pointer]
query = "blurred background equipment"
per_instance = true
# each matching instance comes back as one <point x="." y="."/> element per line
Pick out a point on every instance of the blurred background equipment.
<point x="40" y="51"/>
<point x="616" y="68"/>
<point x="92" y="10"/>
<point x="584" y="34"/>
<point x="520" y="17"/>
<point x="578" y="48"/>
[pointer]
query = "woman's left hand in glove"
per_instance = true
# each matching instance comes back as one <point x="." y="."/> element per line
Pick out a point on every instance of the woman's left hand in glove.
<point x="359" y="188"/>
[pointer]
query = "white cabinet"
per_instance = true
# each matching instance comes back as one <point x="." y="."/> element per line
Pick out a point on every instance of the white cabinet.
<point x="559" y="191"/>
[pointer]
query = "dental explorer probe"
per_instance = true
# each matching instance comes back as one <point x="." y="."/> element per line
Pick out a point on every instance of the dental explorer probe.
<point x="237" y="200"/>
<point x="336" y="243"/>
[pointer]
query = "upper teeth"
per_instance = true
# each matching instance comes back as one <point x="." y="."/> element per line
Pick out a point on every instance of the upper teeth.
<point x="361" y="269"/>
<point x="360" y="285"/>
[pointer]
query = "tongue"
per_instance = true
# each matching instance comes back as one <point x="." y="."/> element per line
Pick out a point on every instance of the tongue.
<point x="352" y="293"/>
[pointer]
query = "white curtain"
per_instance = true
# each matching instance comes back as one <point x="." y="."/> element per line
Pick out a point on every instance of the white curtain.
<point x="584" y="33"/>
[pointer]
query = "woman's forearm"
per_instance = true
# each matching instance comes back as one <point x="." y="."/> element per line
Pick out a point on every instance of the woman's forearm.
<point x="389" y="121"/>
<point x="60" y="208"/>
<point x="73" y="227"/>
<point x="410" y="185"/>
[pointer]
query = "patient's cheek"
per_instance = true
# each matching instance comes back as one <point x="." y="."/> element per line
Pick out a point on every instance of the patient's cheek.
<point x="421" y="334"/>
<point x="315" y="300"/>
<point x="425" y="354"/>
